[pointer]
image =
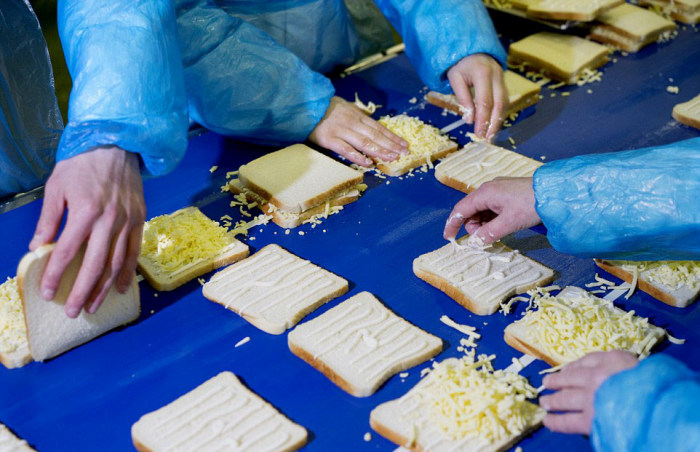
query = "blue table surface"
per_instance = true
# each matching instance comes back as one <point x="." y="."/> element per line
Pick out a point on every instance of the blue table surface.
<point x="88" y="398"/>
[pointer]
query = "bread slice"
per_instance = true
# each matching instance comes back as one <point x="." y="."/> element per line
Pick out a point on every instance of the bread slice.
<point x="521" y="94"/>
<point x="291" y="220"/>
<point x="686" y="11"/>
<point x="297" y="178"/>
<point x="425" y="144"/>
<point x="578" y="10"/>
<point x="524" y="334"/>
<point x="650" y="279"/>
<point x="10" y="443"/>
<point x="50" y="331"/>
<point x="14" y="348"/>
<point x="480" y="279"/>
<point x="688" y="113"/>
<point x="179" y="247"/>
<point x="410" y="421"/>
<point x="629" y="27"/>
<point x="219" y="414"/>
<point x="480" y="162"/>
<point x="360" y="343"/>
<point x="274" y="289"/>
<point x="560" y="57"/>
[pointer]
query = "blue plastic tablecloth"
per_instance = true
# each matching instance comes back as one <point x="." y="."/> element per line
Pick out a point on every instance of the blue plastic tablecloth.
<point x="88" y="398"/>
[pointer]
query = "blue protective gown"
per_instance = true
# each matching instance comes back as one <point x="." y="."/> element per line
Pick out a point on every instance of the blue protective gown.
<point x="30" y="122"/>
<point x="635" y="205"/>
<point x="652" y="407"/>
<point x="252" y="68"/>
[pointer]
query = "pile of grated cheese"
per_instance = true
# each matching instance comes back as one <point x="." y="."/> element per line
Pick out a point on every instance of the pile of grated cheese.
<point x="13" y="330"/>
<point x="467" y="398"/>
<point x="423" y="139"/>
<point x="568" y="328"/>
<point x="673" y="274"/>
<point x="172" y="242"/>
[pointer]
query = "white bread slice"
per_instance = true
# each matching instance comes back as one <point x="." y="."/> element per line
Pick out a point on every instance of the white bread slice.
<point x="480" y="162"/>
<point x="10" y="443"/>
<point x="425" y="144"/>
<point x="686" y="11"/>
<point x="291" y="220"/>
<point x="274" y="289"/>
<point x="579" y="10"/>
<point x="629" y="27"/>
<point x="188" y="233"/>
<point x="219" y="414"/>
<point x="408" y="422"/>
<point x="688" y="113"/>
<point x="360" y="343"/>
<point x="297" y="178"/>
<point x="521" y="94"/>
<point x="560" y="57"/>
<point x="14" y="348"/>
<point x="678" y="297"/>
<point x="524" y="338"/>
<point x="50" y="331"/>
<point x="480" y="279"/>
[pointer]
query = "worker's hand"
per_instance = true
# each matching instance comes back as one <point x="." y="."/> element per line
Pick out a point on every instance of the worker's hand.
<point x="349" y="132"/>
<point x="103" y="194"/>
<point x="576" y="385"/>
<point x="485" y="108"/>
<point x="496" y="209"/>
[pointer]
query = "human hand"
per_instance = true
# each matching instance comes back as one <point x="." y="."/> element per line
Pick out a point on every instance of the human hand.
<point x="576" y="385"/>
<point x="496" y="209"/>
<point x="349" y="132"/>
<point x="103" y="194"/>
<point x="490" y="99"/>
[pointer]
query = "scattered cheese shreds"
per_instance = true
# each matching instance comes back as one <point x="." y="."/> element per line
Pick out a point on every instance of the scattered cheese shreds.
<point x="423" y="139"/>
<point x="213" y="168"/>
<point x="13" y="330"/>
<point x="672" y="274"/>
<point x="243" y="341"/>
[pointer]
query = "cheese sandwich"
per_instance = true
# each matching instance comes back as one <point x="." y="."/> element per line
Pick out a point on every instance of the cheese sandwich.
<point x="183" y="245"/>
<point x="676" y="283"/>
<point x="521" y="94"/>
<point x="462" y="404"/>
<point x="360" y="343"/>
<point x="220" y="414"/>
<point x="480" y="162"/>
<point x="425" y="144"/>
<point x="14" y="348"/>
<point x="561" y="57"/>
<point x="629" y="27"/>
<point x="50" y="331"/>
<point x="480" y="279"/>
<point x="296" y="183"/>
<point x="688" y="113"/>
<point x="686" y="11"/>
<point x="563" y="328"/>
<point x="578" y="10"/>
<point x="274" y="289"/>
<point x="10" y="443"/>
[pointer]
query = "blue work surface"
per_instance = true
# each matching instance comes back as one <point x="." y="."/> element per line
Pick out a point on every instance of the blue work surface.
<point x="88" y="398"/>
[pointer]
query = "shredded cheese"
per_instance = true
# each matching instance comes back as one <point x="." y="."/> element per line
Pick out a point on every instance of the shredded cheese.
<point x="13" y="331"/>
<point x="423" y="139"/>
<point x="672" y="274"/>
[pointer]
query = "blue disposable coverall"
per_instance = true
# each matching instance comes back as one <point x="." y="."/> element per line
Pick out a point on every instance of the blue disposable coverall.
<point x="252" y="68"/>
<point x="128" y="87"/>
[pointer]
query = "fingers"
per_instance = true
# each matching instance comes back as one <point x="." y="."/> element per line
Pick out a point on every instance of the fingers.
<point x="370" y="142"/>
<point x="568" y="422"/>
<point x="499" y="227"/>
<point x="49" y="219"/>
<point x="565" y="400"/>
<point x="399" y="144"/>
<point x="340" y="147"/>
<point x="461" y="212"/>
<point x="464" y="96"/>
<point x="132" y="254"/>
<point x="483" y="90"/>
<point x="500" y="101"/>
<point x="569" y="377"/>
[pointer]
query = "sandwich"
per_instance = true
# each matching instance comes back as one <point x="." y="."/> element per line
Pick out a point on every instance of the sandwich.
<point x="480" y="279"/>
<point x="14" y="348"/>
<point x="359" y="344"/>
<point x="578" y="10"/>
<point x="629" y="27"/>
<point x="560" y="57"/>
<point x="219" y="414"/>
<point x="480" y="162"/>
<point x="295" y="184"/>
<point x="274" y="289"/>
<point x="183" y="245"/>
<point x="688" y="113"/>
<point x="686" y="11"/>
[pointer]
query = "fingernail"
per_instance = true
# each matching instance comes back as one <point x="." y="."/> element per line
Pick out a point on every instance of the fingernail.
<point x="72" y="312"/>
<point x="468" y="115"/>
<point x="47" y="294"/>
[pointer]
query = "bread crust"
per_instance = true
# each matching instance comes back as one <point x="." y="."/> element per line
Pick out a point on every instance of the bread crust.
<point x="521" y="345"/>
<point x="645" y="286"/>
<point x="532" y="11"/>
<point x="680" y="116"/>
<point x="597" y="35"/>
<point x="16" y="360"/>
<point x="392" y="436"/>
<point x="324" y="369"/>
<point x="454" y="183"/>
<point x="550" y="70"/>
<point x="391" y="169"/>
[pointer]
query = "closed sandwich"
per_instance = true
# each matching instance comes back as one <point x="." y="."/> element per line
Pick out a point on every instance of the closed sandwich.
<point x="578" y="10"/>
<point x="629" y="27"/>
<point x="688" y="113"/>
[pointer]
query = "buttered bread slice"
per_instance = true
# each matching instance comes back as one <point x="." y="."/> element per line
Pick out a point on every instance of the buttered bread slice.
<point x="360" y="343"/>
<point x="10" y="443"/>
<point x="14" y="348"/>
<point x="274" y="289"/>
<point x="220" y="414"/>
<point x="480" y="162"/>
<point x="480" y="278"/>
<point x="688" y="113"/>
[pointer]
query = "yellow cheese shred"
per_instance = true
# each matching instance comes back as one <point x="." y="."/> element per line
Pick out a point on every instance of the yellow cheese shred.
<point x="468" y="398"/>
<point x="673" y="274"/>
<point x="423" y="139"/>
<point x="189" y="236"/>
<point x="13" y="331"/>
